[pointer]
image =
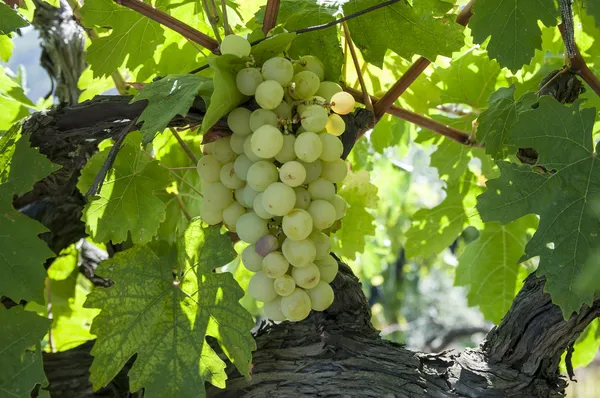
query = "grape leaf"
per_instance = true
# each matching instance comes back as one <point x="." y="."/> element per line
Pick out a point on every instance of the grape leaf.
<point x="10" y="20"/>
<point x="489" y="266"/>
<point x="170" y="96"/>
<point x="496" y="122"/>
<point x="126" y="202"/>
<point x="592" y="7"/>
<point x="272" y="46"/>
<point x="227" y="97"/>
<point x="21" y="370"/>
<point x="162" y="310"/>
<point x="132" y="35"/>
<point x="360" y="194"/>
<point x="513" y="27"/>
<point x="425" y="22"/>
<point x="6" y="48"/>
<point x="22" y="252"/>
<point x="563" y="197"/>
<point x="388" y="132"/>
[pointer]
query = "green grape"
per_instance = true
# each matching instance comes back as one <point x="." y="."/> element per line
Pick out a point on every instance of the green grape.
<point x="322" y="243"/>
<point x="249" y="195"/>
<point x="207" y="149"/>
<point x="342" y="103"/>
<point x="310" y="63"/>
<point x="283" y="111"/>
<point x="238" y="121"/>
<point x="231" y="214"/>
<point x="302" y="198"/>
<point x="269" y="94"/>
<point x="340" y="206"/>
<point x="297" y="224"/>
<point x="272" y="310"/>
<point x="229" y="178"/>
<point x="335" y="125"/>
<point x="292" y="173"/>
<point x="314" y="118"/>
<point x="251" y="259"/>
<point x="296" y="306"/>
<point x="241" y="166"/>
<point x="267" y="244"/>
<point x="304" y="85"/>
<point x="323" y="213"/>
<point x="261" y="117"/>
<point x="275" y="265"/>
<point x="335" y="171"/>
<point x="279" y="199"/>
<point x="287" y="153"/>
<point x="222" y="150"/>
<point x="259" y="208"/>
<point x="299" y="253"/>
<point x="238" y="194"/>
<point x="321" y="296"/>
<point x="313" y="170"/>
<point x="250" y="227"/>
<point x="247" y="80"/>
<point x="284" y="285"/>
<point x="209" y="168"/>
<point x="261" y="287"/>
<point x="217" y="196"/>
<point x="314" y="100"/>
<point x="306" y="277"/>
<point x="332" y="147"/>
<point x="235" y="45"/>
<point x="321" y="189"/>
<point x="262" y="174"/>
<point x="279" y="69"/>
<point x="328" y="89"/>
<point x="308" y="147"/>
<point x="210" y="215"/>
<point x="248" y="150"/>
<point x="237" y="143"/>
<point x="328" y="268"/>
<point x="266" y="142"/>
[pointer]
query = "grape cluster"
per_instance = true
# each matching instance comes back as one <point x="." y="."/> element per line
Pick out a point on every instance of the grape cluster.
<point x="273" y="181"/>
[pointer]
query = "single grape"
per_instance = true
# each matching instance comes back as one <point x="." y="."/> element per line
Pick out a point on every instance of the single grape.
<point x="272" y="310"/>
<point x="335" y="171"/>
<point x="279" y="199"/>
<point x="266" y="245"/>
<point x="284" y="285"/>
<point x="261" y="287"/>
<point x="266" y="142"/>
<point x="279" y="69"/>
<point x="297" y="224"/>
<point x="251" y="259"/>
<point x="283" y="111"/>
<point x="231" y="214"/>
<point x="299" y="253"/>
<point x="248" y="150"/>
<point x="238" y="121"/>
<point x="287" y="153"/>
<point x="260" y="117"/>
<point x="259" y="208"/>
<point x="247" y="80"/>
<point x="328" y="268"/>
<point x="269" y="94"/>
<point x="321" y="189"/>
<point x="342" y="103"/>
<point x="313" y="170"/>
<point x="275" y="265"/>
<point x="222" y="150"/>
<point x="308" y="147"/>
<point x="323" y="214"/>
<point x="207" y="149"/>
<point x="332" y="147"/>
<point x="314" y="118"/>
<point x="262" y="174"/>
<point x="209" y="168"/>
<point x="335" y="125"/>
<point x="235" y="45"/>
<point x="296" y="306"/>
<point x="292" y="173"/>
<point x="302" y="198"/>
<point x="304" y="85"/>
<point x="310" y="63"/>
<point x="328" y="89"/>
<point x="217" y="196"/>
<point x="306" y="277"/>
<point x="249" y="195"/>
<point x="229" y="178"/>
<point x="237" y="143"/>
<point x="321" y="296"/>
<point x="250" y="227"/>
<point x="322" y="243"/>
<point x="340" y="206"/>
<point x="210" y="215"/>
<point x="238" y="194"/>
<point x="241" y="166"/>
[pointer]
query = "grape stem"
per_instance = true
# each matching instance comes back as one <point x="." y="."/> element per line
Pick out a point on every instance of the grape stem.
<point x="213" y="17"/>
<point x="270" y="19"/>
<point x="184" y="146"/>
<point x="174" y="174"/>
<point x="228" y="30"/>
<point x="579" y="65"/>
<point x="363" y="86"/>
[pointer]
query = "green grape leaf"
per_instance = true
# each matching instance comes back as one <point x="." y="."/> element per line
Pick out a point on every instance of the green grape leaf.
<point x="272" y="46"/>
<point x="388" y="132"/>
<point x="496" y="122"/>
<point x="23" y="253"/>
<point x="323" y="43"/>
<point x="592" y="7"/>
<point x="431" y="31"/>
<point x="21" y="370"/>
<point x="360" y="194"/>
<point x="489" y="266"/>
<point x="6" y="48"/>
<point x="513" y="28"/>
<point x="133" y="36"/>
<point x="586" y="347"/>
<point x="168" y="97"/>
<point x="563" y="197"/>
<point x="10" y="20"/>
<point x="162" y="310"/>
<point x="126" y="202"/>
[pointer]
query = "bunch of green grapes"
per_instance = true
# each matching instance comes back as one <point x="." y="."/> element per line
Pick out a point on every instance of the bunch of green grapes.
<point x="274" y="180"/>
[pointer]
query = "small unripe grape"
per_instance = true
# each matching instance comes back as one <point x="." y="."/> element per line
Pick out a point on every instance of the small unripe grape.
<point x="328" y="89"/>
<point x="222" y="150"/>
<point x="313" y="170"/>
<point x="272" y="310"/>
<point x="269" y="94"/>
<point x="322" y="243"/>
<point x="321" y="296"/>
<point x="261" y="287"/>
<point x="304" y="85"/>
<point x="209" y="168"/>
<point x="323" y="213"/>
<point x="302" y="198"/>
<point x="259" y="208"/>
<point x="247" y="80"/>
<point x="241" y="166"/>
<point x="296" y="306"/>
<point x="251" y="259"/>
<point x="248" y="150"/>
<point x="335" y="125"/>
<point x="250" y="227"/>
<point x="335" y="171"/>
<point x="292" y="173"/>
<point x="261" y="117"/>
<point x="261" y="174"/>
<point x="279" y="199"/>
<point x="340" y="205"/>
<point x="237" y="143"/>
<point x="231" y="214"/>
<point x="210" y="215"/>
<point x="299" y="253"/>
<point x="321" y="189"/>
<point x="287" y="153"/>
<point x="328" y="268"/>
<point x="217" y="196"/>
<point x="306" y="277"/>
<point x="297" y="224"/>
<point x="278" y="69"/>
<point x="249" y="195"/>
<point x="314" y="118"/>
<point x="308" y="147"/>
<point x="229" y="178"/>
<point x="310" y="63"/>
<point x="238" y="121"/>
<point x="342" y="103"/>
<point x="266" y="142"/>
<point x="235" y="45"/>
<point x="275" y="265"/>
<point x="332" y="147"/>
<point x="284" y="285"/>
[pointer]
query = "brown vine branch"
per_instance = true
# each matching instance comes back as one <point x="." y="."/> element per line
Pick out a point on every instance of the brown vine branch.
<point x="363" y="86"/>
<point x="270" y="19"/>
<point x="172" y="23"/>
<point x="579" y="65"/>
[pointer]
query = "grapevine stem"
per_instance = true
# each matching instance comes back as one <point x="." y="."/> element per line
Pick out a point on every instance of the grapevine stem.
<point x="211" y="14"/>
<point x="579" y="65"/>
<point x="363" y="86"/>
<point x="228" y="30"/>
<point x="175" y="174"/>
<point x="270" y="19"/>
<point x="183" y="208"/>
<point x="184" y="146"/>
